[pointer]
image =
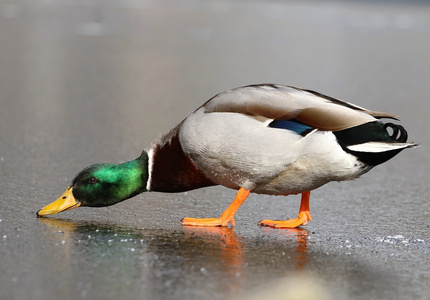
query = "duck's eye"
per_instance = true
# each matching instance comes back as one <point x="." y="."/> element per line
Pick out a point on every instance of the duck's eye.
<point x="92" y="180"/>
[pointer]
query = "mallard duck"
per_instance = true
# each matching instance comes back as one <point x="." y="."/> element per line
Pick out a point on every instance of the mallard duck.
<point x="265" y="139"/>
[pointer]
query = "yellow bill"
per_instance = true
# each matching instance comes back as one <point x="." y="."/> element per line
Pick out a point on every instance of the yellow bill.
<point x="65" y="202"/>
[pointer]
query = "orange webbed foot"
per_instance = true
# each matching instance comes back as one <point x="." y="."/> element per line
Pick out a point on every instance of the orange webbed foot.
<point x="209" y="222"/>
<point x="303" y="218"/>
<point x="227" y="216"/>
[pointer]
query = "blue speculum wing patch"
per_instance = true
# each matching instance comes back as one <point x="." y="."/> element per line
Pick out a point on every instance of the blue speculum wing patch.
<point x="292" y="125"/>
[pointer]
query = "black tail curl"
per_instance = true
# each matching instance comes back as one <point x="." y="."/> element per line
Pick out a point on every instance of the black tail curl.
<point x="399" y="133"/>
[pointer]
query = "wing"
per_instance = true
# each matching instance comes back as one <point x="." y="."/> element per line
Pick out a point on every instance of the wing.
<point x="279" y="102"/>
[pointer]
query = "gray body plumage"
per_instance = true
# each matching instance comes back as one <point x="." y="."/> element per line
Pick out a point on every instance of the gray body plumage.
<point x="229" y="140"/>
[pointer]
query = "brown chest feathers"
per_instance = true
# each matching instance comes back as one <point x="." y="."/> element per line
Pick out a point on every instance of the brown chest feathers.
<point x="172" y="170"/>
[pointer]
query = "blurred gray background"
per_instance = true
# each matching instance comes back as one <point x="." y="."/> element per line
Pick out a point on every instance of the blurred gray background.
<point x="85" y="82"/>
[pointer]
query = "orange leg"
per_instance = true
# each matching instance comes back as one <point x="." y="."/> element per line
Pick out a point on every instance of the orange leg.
<point x="304" y="216"/>
<point x="226" y="217"/>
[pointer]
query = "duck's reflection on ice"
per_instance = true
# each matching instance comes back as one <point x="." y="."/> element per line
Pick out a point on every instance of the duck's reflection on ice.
<point x="182" y="263"/>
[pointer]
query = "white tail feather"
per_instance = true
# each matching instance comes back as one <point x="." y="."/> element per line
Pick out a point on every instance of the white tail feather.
<point x="375" y="147"/>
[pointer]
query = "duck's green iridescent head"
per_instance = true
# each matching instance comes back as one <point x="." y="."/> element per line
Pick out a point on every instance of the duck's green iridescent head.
<point x="102" y="185"/>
